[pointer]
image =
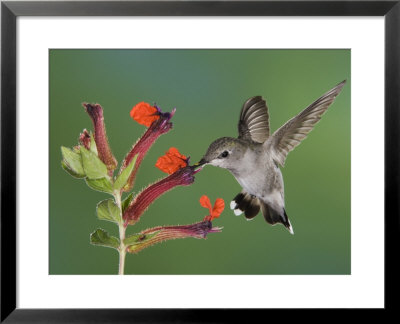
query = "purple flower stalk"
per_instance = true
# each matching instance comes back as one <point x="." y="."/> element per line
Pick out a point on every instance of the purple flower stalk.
<point x="182" y="177"/>
<point x="142" y="146"/>
<point x="197" y="230"/>
<point x="95" y="112"/>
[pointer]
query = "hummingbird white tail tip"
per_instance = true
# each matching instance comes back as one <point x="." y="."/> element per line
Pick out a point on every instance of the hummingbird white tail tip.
<point x="236" y="210"/>
<point x="290" y="228"/>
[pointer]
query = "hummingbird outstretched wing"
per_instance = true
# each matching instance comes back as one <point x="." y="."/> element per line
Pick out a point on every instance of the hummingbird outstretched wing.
<point x="254" y="120"/>
<point x="290" y="135"/>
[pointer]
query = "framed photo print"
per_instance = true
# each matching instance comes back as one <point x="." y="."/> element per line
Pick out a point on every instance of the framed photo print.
<point x="193" y="160"/>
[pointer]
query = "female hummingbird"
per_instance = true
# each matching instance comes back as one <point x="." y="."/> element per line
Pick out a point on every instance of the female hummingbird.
<point x="254" y="157"/>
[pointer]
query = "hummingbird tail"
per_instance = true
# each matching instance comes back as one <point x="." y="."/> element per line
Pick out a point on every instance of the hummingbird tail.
<point x="273" y="217"/>
<point x="251" y="205"/>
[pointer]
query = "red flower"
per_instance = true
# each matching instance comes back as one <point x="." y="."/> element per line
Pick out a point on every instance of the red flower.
<point x="182" y="177"/>
<point x="144" y="113"/>
<point x="159" y="127"/>
<point x="172" y="161"/>
<point x="216" y="210"/>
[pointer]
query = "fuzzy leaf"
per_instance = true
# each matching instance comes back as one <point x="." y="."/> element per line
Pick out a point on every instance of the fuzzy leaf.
<point x="72" y="161"/>
<point x="124" y="176"/>
<point x="70" y="171"/>
<point x="94" y="168"/>
<point x="102" y="184"/>
<point x="126" y="202"/>
<point x="138" y="238"/>
<point x="109" y="211"/>
<point x="101" y="237"/>
<point x="93" y="146"/>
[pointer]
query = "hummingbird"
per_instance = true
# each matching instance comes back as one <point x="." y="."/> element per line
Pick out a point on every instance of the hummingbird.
<point x="255" y="157"/>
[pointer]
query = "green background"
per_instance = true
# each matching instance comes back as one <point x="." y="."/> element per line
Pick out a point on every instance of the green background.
<point x="208" y="88"/>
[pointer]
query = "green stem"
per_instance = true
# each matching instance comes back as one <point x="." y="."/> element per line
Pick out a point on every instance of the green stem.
<point x="121" y="262"/>
<point x="122" y="249"/>
<point x="122" y="229"/>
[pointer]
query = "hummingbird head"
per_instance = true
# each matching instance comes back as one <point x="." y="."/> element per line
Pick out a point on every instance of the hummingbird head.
<point x="224" y="152"/>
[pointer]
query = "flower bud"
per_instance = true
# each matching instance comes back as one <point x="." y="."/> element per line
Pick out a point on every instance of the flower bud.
<point x="84" y="139"/>
<point x="95" y="112"/>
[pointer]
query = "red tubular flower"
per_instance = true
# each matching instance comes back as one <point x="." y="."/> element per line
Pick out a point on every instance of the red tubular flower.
<point x="218" y="208"/>
<point x="158" y="127"/>
<point x="172" y="161"/>
<point x="197" y="230"/>
<point x="95" y="112"/>
<point x="182" y="177"/>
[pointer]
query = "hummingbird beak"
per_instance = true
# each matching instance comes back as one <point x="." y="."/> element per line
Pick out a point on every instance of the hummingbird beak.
<point x="200" y="163"/>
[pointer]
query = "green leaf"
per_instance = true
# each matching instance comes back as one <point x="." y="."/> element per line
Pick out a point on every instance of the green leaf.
<point x="138" y="238"/>
<point x="124" y="176"/>
<point x="94" y="168"/>
<point x="102" y="184"/>
<point x="101" y="237"/>
<point x="70" y="171"/>
<point x="72" y="161"/>
<point x="109" y="211"/>
<point x="93" y="146"/>
<point x="126" y="202"/>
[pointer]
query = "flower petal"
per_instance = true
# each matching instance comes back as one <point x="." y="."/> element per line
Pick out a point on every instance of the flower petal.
<point x="165" y="164"/>
<point x="218" y="208"/>
<point x="172" y="161"/>
<point x="144" y="113"/>
<point x="205" y="202"/>
<point x="173" y="152"/>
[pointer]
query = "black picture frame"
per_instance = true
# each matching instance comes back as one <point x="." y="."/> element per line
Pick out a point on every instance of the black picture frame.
<point x="10" y="10"/>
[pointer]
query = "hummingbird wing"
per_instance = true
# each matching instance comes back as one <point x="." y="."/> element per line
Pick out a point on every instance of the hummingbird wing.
<point x="254" y="120"/>
<point x="290" y="135"/>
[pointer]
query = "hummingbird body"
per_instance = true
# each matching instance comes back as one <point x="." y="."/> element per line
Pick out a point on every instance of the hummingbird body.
<point x="254" y="157"/>
<point x="264" y="179"/>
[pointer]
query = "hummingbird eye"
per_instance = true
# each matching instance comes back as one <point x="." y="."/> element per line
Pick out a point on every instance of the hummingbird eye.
<point x="224" y="154"/>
